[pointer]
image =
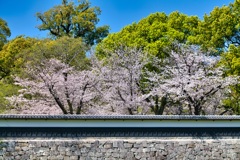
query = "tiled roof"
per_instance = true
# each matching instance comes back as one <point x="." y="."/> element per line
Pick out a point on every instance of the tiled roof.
<point x="121" y="117"/>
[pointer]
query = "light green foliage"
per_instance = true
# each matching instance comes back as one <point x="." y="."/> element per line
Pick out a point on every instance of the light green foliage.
<point x="4" y="32"/>
<point x="220" y="28"/>
<point x="157" y="32"/>
<point x="11" y="60"/>
<point x="68" y="50"/>
<point x="73" y="20"/>
<point x="6" y="90"/>
<point x="231" y="61"/>
<point x="153" y="34"/>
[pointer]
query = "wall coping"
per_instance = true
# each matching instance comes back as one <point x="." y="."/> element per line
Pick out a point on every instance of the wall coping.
<point x="119" y="126"/>
<point x="118" y="117"/>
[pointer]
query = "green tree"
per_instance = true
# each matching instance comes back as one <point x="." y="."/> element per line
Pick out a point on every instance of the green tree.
<point x="153" y="34"/>
<point x="4" y="32"/>
<point x="231" y="62"/>
<point x="220" y="28"/>
<point x="11" y="59"/>
<point x="156" y="35"/>
<point x="73" y="20"/>
<point x="70" y="51"/>
<point x="50" y="70"/>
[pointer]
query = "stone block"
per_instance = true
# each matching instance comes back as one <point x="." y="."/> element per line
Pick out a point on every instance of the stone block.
<point x="144" y="144"/>
<point x="120" y="144"/>
<point x="123" y="155"/>
<point x="146" y="150"/>
<point x="129" y="155"/>
<point x="73" y="157"/>
<point x="52" y="158"/>
<point x="99" y="154"/>
<point x="10" y="149"/>
<point x="25" y="148"/>
<point x="68" y="153"/>
<point x="160" y="146"/>
<point x="115" y="155"/>
<point x="31" y="145"/>
<point x="83" y="150"/>
<point x="33" y="156"/>
<point x="17" y="157"/>
<point x="95" y="143"/>
<point x="128" y="145"/>
<point x="61" y="148"/>
<point x="115" y="144"/>
<point x="66" y="158"/>
<point x="152" y="158"/>
<point x="108" y="145"/>
<point x="139" y="155"/>
<point x="91" y="154"/>
<point x="44" y="144"/>
<point x="191" y="145"/>
<point x="46" y="153"/>
<point x="88" y="145"/>
<point x="17" y="149"/>
<point x="77" y="153"/>
<point x="60" y="157"/>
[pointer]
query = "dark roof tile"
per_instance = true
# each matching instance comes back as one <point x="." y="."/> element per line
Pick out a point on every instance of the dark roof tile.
<point x="121" y="117"/>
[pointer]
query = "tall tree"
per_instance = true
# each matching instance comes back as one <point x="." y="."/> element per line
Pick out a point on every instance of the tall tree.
<point x="230" y="61"/>
<point x="120" y="78"/>
<point x="191" y="79"/>
<point x="156" y="32"/>
<point x="55" y="88"/>
<point x="70" y="51"/>
<point x="153" y="34"/>
<point x="73" y="20"/>
<point x="56" y="80"/>
<point x="220" y="28"/>
<point x="4" y="32"/>
<point x="11" y="55"/>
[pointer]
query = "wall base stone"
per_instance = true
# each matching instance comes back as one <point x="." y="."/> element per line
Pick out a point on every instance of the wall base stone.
<point x="119" y="148"/>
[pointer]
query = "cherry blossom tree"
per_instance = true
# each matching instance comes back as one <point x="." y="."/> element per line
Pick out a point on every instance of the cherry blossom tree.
<point x="187" y="82"/>
<point x="59" y="85"/>
<point x="120" y="80"/>
<point x="193" y="81"/>
<point x="113" y="84"/>
<point x="58" y="75"/>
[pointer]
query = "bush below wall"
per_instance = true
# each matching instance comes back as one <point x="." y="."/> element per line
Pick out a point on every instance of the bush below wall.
<point x="120" y="148"/>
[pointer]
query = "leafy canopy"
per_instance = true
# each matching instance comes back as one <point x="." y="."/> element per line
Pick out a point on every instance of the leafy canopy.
<point x="73" y="20"/>
<point x="220" y="28"/>
<point x="231" y="62"/>
<point x="153" y="34"/>
<point x="7" y="90"/>
<point x="70" y="51"/>
<point x="158" y="31"/>
<point x="4" y="32"/>
<point x="11" y="56"/>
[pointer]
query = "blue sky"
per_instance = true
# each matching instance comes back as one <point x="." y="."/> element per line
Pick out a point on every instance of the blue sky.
<point x="21" y="19"/>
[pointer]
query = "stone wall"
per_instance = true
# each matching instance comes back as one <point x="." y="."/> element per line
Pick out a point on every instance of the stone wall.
<point x="120" y="148"/>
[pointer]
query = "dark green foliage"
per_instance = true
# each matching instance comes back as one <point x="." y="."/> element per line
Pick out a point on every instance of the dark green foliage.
<point x="75" y="21"/>
<point x="4" y="32"/>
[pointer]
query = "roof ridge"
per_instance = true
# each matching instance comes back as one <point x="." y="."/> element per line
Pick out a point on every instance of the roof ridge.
<point x="127" y="117"/>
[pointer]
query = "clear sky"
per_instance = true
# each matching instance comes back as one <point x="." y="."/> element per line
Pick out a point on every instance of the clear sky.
<point x="21" y="19"/>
